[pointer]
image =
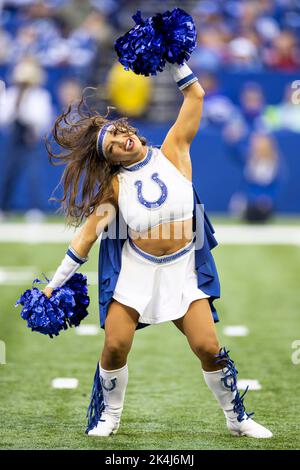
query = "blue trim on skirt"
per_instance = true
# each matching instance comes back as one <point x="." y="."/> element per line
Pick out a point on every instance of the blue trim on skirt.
<point x="110" y="261"/>
<point x="164" y="258"/>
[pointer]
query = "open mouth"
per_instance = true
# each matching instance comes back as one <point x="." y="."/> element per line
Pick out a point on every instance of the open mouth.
<point x="129" y="145"/>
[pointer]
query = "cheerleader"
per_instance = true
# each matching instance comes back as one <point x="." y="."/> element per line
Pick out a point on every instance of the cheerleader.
<point x="162" y="268"/>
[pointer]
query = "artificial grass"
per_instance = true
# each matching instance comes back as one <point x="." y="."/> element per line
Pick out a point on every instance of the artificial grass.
<point x="216" y="218"/>
<point x="167" y="404"/>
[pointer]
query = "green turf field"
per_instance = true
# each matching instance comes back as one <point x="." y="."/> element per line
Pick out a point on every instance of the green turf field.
<point x="279" y="219"/>
<point x="167" y="404"/>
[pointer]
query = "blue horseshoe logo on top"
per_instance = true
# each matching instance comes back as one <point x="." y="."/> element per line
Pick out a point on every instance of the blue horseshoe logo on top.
<point x="160" y="200"/>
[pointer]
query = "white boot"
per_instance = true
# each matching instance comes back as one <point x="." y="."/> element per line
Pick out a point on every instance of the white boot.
<point x="248" y="428"/>
<point x="222" y="383"/>
<point x="113" y="384"/>
<point x="107" y="426"/>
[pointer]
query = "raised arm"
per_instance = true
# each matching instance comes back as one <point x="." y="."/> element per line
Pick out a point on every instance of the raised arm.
<point x="82" y="242"/>
<point x="182" y="133"/>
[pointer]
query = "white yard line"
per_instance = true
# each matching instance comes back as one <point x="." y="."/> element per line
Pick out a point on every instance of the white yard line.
<point x="35" y="233"/>
<point x="87" y="330"/>
<point x="235" y="330"/>
<point x="19" y="276"/>
<point x="252" y="384"/>
<point x="258" y="235"/>
<point x="225" y="234"/>
<point x="16" y="275"/>
<point x="57" y="233"/>
<point x="64" y="382"/>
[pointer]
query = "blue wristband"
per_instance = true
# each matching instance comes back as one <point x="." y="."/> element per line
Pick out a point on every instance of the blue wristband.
<point x="75" y="256"/>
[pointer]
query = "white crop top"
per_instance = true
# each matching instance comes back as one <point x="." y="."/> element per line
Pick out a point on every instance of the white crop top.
<point x="153" y="191"/>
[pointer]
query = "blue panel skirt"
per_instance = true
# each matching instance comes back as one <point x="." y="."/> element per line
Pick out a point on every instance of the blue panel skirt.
<point x="110" y="261"/>
<point x="160" y="288"/>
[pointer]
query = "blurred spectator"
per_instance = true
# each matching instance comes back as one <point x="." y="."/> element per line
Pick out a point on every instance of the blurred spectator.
<point x="27" y="102"/>
<point x="218" y="109"/>
<point x="69" y="91"/>
<point x="5" y="46"/>
<point x="246" y="34"/>
<point x="69" y="36"/>
<point x="260" y="160"/>
<point x="26" y="43"/>
<point x="76" y="49"/>
<point x="286" y="115"/>
<point x="284" y="53"/>
<point x="130" y="93"/>
<point x="74" y="38"/>
<point x="250" y="116"/>
<point x="211" y="50"/>
<point x="27" y="115"/>
<point x="252" y="104"/>
<point x="243" y="54"/>
<point x="248" y="12"/>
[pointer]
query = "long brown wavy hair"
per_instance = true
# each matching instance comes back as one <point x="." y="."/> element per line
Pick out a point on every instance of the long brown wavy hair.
<point x="87" y="178"/>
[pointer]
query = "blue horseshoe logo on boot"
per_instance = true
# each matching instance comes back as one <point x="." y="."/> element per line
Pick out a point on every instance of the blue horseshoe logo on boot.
<point x="229" y="381"/>
<point x="160" y="200"/>
<point x="113" y="384"/>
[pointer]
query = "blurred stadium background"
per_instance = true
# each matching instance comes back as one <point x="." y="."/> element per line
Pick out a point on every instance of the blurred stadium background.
<point x="246" y="166"/>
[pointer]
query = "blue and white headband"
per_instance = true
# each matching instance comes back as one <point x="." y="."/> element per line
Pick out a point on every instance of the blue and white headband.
<point x="101" y="139"/>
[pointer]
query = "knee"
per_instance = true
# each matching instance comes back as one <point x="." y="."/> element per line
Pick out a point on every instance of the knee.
<point x="207" y="350"/>
<point x="115" y="348"/>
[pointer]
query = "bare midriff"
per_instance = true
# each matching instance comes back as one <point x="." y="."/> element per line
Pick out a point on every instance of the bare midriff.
<point x="164" y="239"/>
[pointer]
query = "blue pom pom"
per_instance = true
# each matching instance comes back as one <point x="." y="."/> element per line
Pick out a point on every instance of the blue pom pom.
<point x="78" y="287"/>
<point x="170" y="37"/>
<point x="179" y="35"/>
<point x="67" y="306"/>
<point x="142" y="48"/>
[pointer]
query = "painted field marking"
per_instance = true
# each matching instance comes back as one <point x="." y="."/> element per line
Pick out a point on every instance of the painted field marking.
<point x="258" y="235"/>
<point x="17" y="276"/>
<point x="236" y="330"/>
<point x="63" y="382"/>
<point x="252" y="384"/>
<point x="87" y="330"/>
<point x="225" y="234"/>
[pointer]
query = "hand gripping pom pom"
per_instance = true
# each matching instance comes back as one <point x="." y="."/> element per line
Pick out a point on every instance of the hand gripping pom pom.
<point x="170" y="37"/>
<point x="67" y="306"/>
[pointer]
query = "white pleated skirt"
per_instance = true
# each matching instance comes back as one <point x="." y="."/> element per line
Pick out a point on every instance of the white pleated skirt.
<point x="159" y="288"/>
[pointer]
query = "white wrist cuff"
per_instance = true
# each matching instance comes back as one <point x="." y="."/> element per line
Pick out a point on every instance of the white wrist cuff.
<point x="69" y="265"/>
<point x="182" y="75"/>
